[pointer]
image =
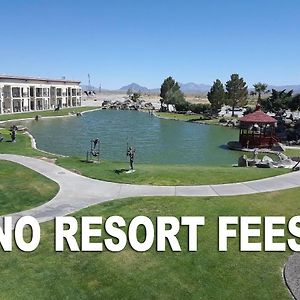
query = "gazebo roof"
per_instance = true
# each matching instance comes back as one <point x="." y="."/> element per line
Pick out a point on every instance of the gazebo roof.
<point x="258" y="117"/>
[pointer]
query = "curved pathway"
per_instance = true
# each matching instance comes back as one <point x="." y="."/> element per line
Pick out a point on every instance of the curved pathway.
<point x="77" y="192"/>
<point x="291" y="274"/>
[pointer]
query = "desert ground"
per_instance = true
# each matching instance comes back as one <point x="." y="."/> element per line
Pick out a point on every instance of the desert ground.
<point x="98" y="98"/>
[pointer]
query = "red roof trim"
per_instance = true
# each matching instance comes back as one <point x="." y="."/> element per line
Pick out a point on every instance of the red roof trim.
<point x="258" y="117"/>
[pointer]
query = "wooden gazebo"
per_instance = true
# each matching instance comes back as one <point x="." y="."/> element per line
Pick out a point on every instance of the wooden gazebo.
<point x="257" y="130"/>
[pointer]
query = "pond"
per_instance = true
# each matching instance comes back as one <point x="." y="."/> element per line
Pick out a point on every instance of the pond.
<point x="156" y="140"/>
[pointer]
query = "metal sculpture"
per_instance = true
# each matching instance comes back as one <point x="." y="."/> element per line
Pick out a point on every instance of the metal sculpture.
<point x="93" y="154"/>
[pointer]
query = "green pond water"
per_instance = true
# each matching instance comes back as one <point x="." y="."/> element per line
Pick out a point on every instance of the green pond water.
<point x="156" y="140"/>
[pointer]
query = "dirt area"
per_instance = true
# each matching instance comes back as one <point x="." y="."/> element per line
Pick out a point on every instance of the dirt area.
<point x="98" y="98"/>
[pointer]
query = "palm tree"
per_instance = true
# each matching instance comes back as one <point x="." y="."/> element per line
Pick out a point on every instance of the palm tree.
<point x="260" y="88"/>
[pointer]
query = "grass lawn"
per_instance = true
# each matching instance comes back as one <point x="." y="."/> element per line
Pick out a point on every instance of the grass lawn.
<point x="22" y="145"/>
<point x="22" y="188"/>
<point x="292" y="152"/>
<point x="181" y="117"/>
<point x="205" y="274"/>
<point x="191" y="118"/>
<point x="45" y="113"/>
<point x="165" y="174"/>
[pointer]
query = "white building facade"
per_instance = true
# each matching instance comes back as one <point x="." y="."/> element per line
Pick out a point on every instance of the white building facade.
<point x="21" y="94"/>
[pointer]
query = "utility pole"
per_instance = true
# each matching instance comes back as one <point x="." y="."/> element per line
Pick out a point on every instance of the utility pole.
<point x="100" y="88"/>
<point x="89" y="77"/>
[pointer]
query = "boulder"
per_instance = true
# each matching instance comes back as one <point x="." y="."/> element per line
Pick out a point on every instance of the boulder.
<point x="278" y="147"/>
<point x="243" y="162"/>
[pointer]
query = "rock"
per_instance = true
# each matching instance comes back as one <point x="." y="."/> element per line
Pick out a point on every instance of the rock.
<point x="278" y="147"/>
<point x="234" y="145"/>
<point x="267" y="159"/>
<point x="288" y="122"/>
<point x="189" y="112"/>
<point x="242" y="162"/>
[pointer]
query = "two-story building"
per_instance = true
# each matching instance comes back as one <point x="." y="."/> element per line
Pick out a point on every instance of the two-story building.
<point x="20" y="94"/>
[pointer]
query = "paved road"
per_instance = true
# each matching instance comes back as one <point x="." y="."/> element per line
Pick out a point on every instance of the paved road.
<point x="77" y="192"/>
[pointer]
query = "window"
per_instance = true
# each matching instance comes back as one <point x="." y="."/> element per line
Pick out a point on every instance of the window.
<point x="16" y="92"/>
<point x="38" y="92"/>
<point x="45" y="92"/>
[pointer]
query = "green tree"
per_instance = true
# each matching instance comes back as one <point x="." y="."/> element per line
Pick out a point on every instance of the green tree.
<point x="166" y="86"/>
<point x="170" y="92"/>
<point x="279" y="100"/>
<point x="294" y="104"/>
<point x="259" y="89"/>
<point x="216" y="95"/>
<point x="174" y="97"/>
<point x="237" y="92"/>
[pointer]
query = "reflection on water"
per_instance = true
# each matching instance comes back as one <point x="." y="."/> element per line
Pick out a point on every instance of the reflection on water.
<point x="156" y="140"/>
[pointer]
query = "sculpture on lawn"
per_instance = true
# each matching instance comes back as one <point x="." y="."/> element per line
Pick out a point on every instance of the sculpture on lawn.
<point x="131" y="155"/>
<point x="13" y="133"/>
<point x="93" y="154"/>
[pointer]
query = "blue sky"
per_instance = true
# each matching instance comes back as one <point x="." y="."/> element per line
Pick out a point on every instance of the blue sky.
<point x="119" y="42"/>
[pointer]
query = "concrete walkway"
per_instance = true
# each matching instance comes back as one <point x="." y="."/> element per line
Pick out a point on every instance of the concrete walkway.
<point x="291" y="274"/>
<point x="77" y="192"/>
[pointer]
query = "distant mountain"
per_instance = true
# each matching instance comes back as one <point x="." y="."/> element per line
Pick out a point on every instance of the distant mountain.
<point x="189" y="87"/>
<point x="192" y="87"/>
<point x="295" y="88"/>
<point x="134" y="87"/>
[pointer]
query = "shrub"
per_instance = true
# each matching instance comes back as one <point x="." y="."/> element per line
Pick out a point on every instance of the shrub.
<point x="182" y="106"/>
<point x="199" y="108"/>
